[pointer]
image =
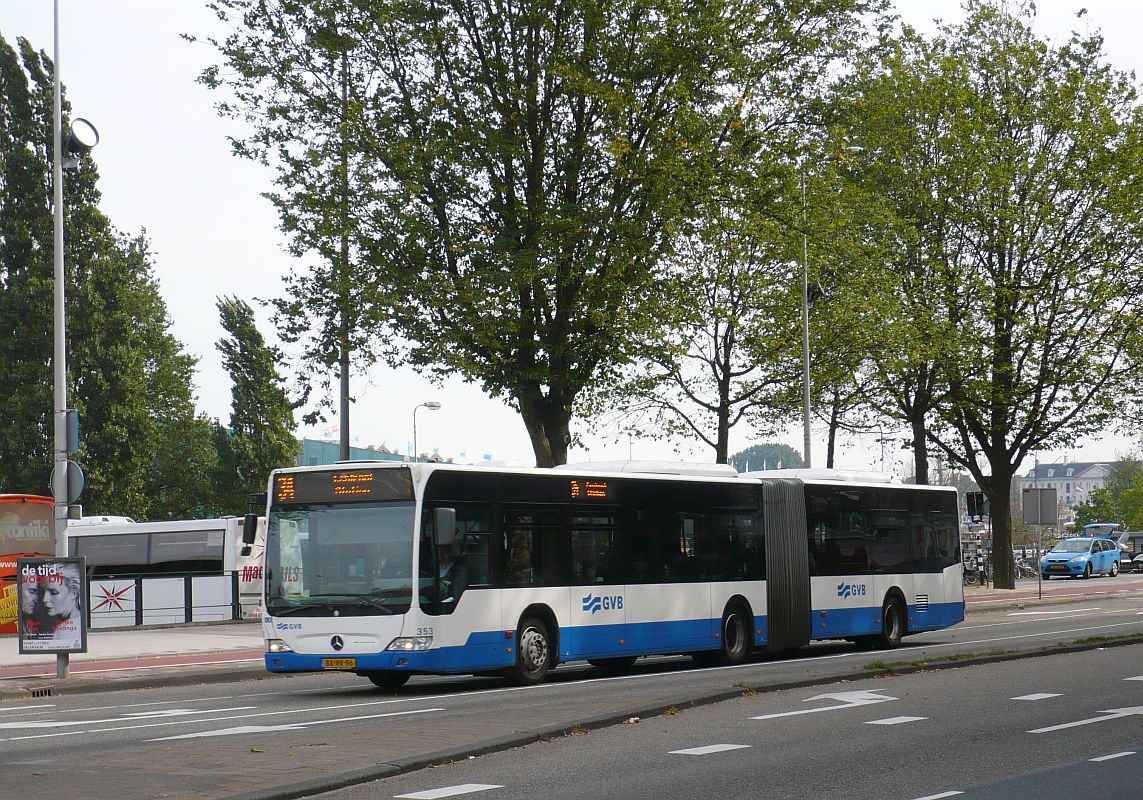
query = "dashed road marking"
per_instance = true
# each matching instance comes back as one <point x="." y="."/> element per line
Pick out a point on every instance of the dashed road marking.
<point x="450" y="791"/>
<point x="1124" y="754"/>
<point x="1036" y="696"/>
<point x="895" y="720"/>
<point x="708" y="749"/>
<point x="938" y="796"/>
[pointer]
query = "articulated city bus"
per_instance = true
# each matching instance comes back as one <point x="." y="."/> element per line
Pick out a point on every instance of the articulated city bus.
<point x="389" y="570"/>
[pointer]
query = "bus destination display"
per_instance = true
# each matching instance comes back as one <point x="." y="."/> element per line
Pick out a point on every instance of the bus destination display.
<point x="588" y="489"/>
<point x="342" y="485"/>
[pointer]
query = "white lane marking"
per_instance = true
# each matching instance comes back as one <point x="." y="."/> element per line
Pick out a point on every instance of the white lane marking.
<point x="173" y="712"/>
<point x="450" y="791"/>
<point x="296" y="726"/>
<point x="23" y="709"/>
<point x="45" y="723"/>
<point x="1036" y="696"/>
<point x="1114" y="755"/>
<point x="1064" y="612"/>
<point x="894" y="720"/>
<point x="848" y="700"/>
<point x="234" y="731"/>
<point x="201" y="720"/>
<point x="708" y="749"/>
<point x="938" y="796"/>
<point x="1111" y="713"/>
<point x="149" y="666"/>
<point x="1136" y="678"/>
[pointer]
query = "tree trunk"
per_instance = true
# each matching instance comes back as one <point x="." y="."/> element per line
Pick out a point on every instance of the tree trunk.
<point x="549" y="427"/>
<point x="997" y="488"/>
<point x="920" y="450"/>
<point x="834" y="418"/>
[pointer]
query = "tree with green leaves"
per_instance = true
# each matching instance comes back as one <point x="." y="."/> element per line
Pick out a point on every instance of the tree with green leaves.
<point x="524" y="168"/>
<point x="767" y="456"/>
<point x="727" y="353"/>
<point x="303" y="82"/>
<point x="260" y="437"/>
<point x="127" y="375"/>
<point x="1023" y="229"/>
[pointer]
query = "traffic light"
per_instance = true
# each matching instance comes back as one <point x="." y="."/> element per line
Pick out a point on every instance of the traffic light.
<point x="975" y="501"/>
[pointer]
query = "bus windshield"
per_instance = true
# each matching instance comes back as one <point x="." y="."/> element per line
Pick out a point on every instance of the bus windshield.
<point x="338" y="560"/>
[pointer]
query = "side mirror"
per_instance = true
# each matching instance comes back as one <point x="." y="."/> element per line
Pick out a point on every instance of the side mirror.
<point x="249" y="533"/>
<point x="444" y="527"/>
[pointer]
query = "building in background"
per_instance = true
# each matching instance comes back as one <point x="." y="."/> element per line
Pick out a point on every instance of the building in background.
<point x="1073" y="481"/>
<point x="314" y="452"/>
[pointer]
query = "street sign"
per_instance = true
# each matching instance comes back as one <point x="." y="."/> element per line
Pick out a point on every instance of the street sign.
<point x="1039" y="506"/>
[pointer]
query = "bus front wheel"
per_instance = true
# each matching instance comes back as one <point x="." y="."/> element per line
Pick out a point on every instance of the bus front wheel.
<point x="533" y="653"/>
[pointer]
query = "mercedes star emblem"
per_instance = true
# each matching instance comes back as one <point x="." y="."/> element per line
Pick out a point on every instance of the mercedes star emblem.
<point x="336" y="643"/>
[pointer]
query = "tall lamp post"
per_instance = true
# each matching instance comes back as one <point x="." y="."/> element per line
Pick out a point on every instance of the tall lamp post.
<point x="81" y="138"/>
<point x="805" y="329"/>
<point x="432" y="405"/>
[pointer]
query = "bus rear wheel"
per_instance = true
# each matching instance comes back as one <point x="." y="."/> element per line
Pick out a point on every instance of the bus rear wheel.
<point x="389" y="679"/>
<point x="892" y="625"/>
<point x="736" y="639"/>
<point x="533" y="653"/>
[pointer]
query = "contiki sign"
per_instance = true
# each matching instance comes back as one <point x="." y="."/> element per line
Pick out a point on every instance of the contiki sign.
<point x="27" y="530"/>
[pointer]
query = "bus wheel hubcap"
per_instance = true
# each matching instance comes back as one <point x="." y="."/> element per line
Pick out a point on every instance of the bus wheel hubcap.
<point x="534" y="647"/>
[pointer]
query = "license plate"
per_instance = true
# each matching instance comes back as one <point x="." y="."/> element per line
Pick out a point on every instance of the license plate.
<point x="1058" y="568"/>
<point x="339" y="663"/>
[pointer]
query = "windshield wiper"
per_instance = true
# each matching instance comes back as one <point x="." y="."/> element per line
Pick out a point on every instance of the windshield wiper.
<point x="284" y="611"/>
<point x="359" y="600"/>
<point x="368" y="602"/>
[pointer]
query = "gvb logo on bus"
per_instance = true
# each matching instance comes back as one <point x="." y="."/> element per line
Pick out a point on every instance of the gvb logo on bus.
<point x="847" y="590"/>
<point x="594" y="603"/>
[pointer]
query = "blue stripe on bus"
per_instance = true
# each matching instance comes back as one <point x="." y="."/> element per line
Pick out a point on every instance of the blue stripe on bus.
<point x="836" y="623"/>
<point x="488" y="650"/>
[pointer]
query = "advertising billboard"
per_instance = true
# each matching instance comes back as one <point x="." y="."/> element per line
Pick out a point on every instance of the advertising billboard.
<point x="52" y="605"/>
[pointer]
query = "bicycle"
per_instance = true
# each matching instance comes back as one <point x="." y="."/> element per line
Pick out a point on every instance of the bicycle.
<point x="1024" y="569"/>
<point x="971" y="575"/>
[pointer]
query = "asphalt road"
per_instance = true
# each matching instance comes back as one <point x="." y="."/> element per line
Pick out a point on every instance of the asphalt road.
<point x="295" y="736"/>
<point x="1072" y="726"/>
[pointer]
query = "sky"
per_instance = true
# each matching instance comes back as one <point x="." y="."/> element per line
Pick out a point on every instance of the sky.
<point x="166" y="167"/>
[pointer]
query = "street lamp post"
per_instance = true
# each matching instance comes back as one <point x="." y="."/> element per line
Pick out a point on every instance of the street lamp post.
<point x="432" y="405"/>
<point x="80" y="140"/>
<point x="805" y="329"/>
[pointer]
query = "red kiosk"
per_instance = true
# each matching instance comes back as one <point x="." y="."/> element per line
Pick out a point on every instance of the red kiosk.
<point x="27" y="530"/>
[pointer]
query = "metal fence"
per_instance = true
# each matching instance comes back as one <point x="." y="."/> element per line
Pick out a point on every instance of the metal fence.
<point x="128" y="600"/>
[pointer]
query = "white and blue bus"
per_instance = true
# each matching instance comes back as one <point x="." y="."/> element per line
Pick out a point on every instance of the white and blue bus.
<point x="389" y="570"/>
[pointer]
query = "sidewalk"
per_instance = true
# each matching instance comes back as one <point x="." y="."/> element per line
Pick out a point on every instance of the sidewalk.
<point x="218" y="652"/>
<point x="136" y="658"/>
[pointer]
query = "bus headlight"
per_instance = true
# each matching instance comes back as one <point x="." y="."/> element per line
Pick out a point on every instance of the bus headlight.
<point x="410" y="644"/>
<point x="277" y="646"/>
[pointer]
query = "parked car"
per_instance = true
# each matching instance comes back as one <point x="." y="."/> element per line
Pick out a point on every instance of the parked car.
<point x="1137" y="563"/>
<point x="1082" y="557"/>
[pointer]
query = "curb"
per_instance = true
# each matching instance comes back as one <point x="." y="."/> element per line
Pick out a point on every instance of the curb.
<point x="90" y="683"/>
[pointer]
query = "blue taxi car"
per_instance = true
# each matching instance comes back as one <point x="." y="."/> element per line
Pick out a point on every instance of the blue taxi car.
<point x="1082" y="556"/>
